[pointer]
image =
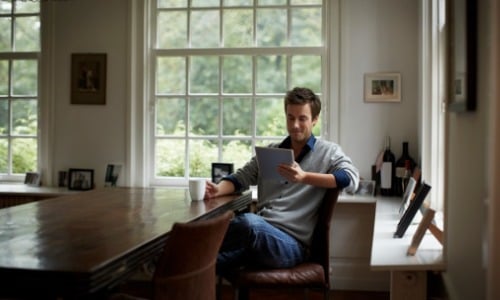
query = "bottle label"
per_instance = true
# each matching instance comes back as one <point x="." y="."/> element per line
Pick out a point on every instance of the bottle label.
<point x="400" y="172"/>
<point x="386" y="175"/>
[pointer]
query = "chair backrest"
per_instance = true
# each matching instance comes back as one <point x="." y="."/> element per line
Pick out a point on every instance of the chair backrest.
<point x="320" y="245"/>
<point x="186" y="268"/>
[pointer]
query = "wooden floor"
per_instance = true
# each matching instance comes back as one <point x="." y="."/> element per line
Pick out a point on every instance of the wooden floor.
<point x="227" y="293"/>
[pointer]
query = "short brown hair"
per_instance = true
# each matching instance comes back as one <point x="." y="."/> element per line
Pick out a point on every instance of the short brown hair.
<point x="301" y="95"/>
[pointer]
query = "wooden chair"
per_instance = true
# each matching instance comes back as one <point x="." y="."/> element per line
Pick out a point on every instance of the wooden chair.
<point x="312" y="274"/>
<point x="186" y="268"/>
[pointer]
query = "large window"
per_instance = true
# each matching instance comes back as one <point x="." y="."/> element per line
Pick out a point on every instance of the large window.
<point x="19" y="60"/>
<point x="220" y="70"/>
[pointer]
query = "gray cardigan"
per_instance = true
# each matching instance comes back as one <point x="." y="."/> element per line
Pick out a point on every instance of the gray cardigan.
<point x="292" y="207"/>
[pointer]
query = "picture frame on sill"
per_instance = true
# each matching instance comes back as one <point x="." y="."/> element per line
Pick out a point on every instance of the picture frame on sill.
<point x="80" y="179"/>
<point x="112" y="174"/>
<point x="88" y="78"/>
<point x="366" y="188"/>
<point x="382" y="87"/>
<point x="32" y="179"/>
<point x="220" y="170"/>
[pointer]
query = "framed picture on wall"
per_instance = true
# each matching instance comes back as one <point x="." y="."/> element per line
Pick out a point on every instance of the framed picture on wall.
<point x="88" y="78"/>
<point x="81" y="179"/>
<point x="382" y="87"/>
<point x="462" y="54"/>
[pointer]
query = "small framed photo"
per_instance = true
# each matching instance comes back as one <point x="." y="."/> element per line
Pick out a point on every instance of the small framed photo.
<point x="220" y="170"/>
<point x="382" y="87"/>
<point x="32" y="178"/>
<point x="366" y="188"/>
<point x="80" y="179"/>
<point x="88" y="78"/>
<point x="112" y="173"/>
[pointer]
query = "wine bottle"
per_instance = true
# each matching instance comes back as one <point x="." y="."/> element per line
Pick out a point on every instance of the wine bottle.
<point x="401" y="169"/>
<point x="387" y="173"/>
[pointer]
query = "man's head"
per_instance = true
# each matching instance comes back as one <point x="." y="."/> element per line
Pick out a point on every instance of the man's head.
<point x="300" y="96"/>
<point x="302" y="108"/>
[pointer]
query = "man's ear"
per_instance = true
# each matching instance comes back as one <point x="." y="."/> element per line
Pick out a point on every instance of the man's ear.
<point x="315" y="120"/>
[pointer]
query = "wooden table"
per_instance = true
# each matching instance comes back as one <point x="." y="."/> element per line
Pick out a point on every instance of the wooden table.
<point x="77" y="245"/>
<point x="408" y="273"/>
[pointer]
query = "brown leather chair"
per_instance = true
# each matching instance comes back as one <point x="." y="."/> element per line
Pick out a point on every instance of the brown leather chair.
<point x="312" y="274"/>
<point x="186" y="268"/>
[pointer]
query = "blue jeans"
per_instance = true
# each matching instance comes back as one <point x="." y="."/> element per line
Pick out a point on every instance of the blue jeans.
<point x="251" y="241"/>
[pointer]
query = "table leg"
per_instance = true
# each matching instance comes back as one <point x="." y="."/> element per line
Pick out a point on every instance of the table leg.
<point x="408" y="285"/>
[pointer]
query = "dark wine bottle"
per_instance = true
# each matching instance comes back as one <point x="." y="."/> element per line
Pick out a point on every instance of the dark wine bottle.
<point x="387" y="173"/>
<point x="401" y="170"/>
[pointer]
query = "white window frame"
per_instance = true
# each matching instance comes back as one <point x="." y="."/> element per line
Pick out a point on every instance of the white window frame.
<point x="36" y="56"/>
<point x="141" y="158"/>
<point x="433" y="98"/>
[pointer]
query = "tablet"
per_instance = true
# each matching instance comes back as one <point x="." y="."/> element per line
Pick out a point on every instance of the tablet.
<point x="268" y="159"/>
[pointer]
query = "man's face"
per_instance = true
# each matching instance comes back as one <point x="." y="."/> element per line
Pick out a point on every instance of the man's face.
<point x="299" y="122"/>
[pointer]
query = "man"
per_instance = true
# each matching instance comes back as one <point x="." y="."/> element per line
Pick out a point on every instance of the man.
<point x="279" y="234"/>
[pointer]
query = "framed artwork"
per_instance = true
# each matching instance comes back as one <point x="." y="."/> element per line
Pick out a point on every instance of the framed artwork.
<point x="81" y="179"/>
<point x="220" y="170"/>
<point x="382" y="87"/>
<point x="32" y="178"/>
<point x="462" y="55"/>
<point x="88" y="78"/>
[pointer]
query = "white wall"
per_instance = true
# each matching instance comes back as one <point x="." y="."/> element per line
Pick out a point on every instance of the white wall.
<point x="378" y="36"/>
<point x="89" y="136"/>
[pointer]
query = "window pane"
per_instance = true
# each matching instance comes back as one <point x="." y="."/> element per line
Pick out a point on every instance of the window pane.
<point x="5" y="33"/>
<point x="238" y="2"/>
<point x="24" y="117"/>
<point x="4" y="78"/>
<point x="27" y="7"/>
<point x="24" y="155"/>
<point x="238" y="28"/>
<point x="299" y="2"/>
<point x="205" y="29"/>
<point x="306" y="30"/>
<point x="172" y="3"/>
<point x="170" y="117"/>
<point x="27" y="34"/>
<point x="270" y="117"/>
<point x="271" y="2"/>
<point x="271" y="27"/>
<point x="4" y="154"/>
<point x="4" y="117"/>
<point x="306" y="72"/>
<point x="237" y="116"/>
<point x="271" y="74"/>
<point x="171" y="30"/>
<point x="204" y="74"/>
<point x="5" y="7"/>
<point x="203" y="116"/>
<point x="201" y="155"/>
<point x="170" y="158"/>
<point x="170" y="75"/>
<point x="205" y="3"/>
<point x="24" y="77"/>
<point x="237" y="74"/>
<point x="237" y="152"/>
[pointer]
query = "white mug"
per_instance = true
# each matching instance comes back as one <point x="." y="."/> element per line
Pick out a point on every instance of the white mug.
<point x="197" y="188"/>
